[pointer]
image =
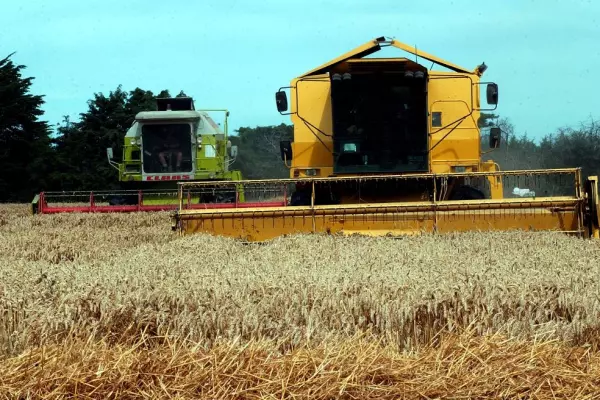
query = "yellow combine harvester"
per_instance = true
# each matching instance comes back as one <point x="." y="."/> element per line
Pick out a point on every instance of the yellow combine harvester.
<point x="386" y="146"/>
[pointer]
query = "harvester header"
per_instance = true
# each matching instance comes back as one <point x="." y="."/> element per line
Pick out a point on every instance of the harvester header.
<point x="388" y="146"/>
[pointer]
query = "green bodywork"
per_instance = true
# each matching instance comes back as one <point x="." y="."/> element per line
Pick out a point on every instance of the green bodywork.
<point x="207" y="152"/>
<point x="210" y="154"/>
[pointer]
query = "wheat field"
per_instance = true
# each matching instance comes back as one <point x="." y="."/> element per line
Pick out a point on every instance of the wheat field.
<point x="118" y="306"/>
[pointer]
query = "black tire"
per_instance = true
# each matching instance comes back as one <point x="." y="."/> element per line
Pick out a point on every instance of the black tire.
<point x="130" y="200"/>
<point x="207" y="198"/>
<point x="466" y="193"/>
<point x="226" y="197"/>
<point x="300" y="198"/>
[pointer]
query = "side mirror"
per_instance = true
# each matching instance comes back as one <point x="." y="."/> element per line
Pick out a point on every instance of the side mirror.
<point x="281" y="100"/>
<point x="495" y="135"/>
<point x="109" y="153"/>
<point x="233" y="151"/>
<point x="492" y="93"/>
<point x="285" y="147"/>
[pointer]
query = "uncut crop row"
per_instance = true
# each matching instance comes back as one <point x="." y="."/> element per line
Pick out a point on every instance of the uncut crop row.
<point x="114" y="276"/>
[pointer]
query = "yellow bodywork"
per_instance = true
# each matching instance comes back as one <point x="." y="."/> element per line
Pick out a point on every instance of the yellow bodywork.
<point x="569" y="214"/>
<point x="392" y="203"/>
<point x="312" y="146"/>
<point x="455" y="94"/>
<point x="559" y="214"/>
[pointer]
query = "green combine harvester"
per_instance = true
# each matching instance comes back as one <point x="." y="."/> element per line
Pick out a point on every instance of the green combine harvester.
<point x="175" y="143"/>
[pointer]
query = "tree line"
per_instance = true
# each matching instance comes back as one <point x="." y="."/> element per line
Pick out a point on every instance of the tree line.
<point x="35" y="157"/>
<point x="567" y="147"/>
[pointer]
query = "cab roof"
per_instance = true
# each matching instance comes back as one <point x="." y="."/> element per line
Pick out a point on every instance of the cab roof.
<point x="168" y="115"/>
<point x="377" y="44"/>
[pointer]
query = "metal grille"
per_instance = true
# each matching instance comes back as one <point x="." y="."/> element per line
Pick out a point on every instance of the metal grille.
<point x="400" y="204"/>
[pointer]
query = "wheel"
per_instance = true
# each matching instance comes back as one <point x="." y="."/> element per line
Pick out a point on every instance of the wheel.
<point x="123" y="200"/>
<point x="300" y="198"/>
<point x="466" y="192"/>
<point x="206" y="198"/>
<point x="226" y="197"/>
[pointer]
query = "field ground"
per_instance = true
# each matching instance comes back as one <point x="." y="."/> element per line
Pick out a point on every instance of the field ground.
<point x="117" y="306"/>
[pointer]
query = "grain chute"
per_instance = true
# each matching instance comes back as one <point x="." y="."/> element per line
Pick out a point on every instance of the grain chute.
<point x="386" y="146"/>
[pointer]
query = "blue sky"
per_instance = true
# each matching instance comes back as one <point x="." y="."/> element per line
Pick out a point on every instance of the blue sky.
<point x="236" y="54"/>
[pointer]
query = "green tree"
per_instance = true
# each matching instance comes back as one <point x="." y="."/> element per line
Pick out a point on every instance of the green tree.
<point x="486" y="120"/>
<point x="24" y="139"/>
<point x="259" y="156"/>
<point x="515" y="152"/>
<point x="81" y="146"/>
<point x="573" y="147"/>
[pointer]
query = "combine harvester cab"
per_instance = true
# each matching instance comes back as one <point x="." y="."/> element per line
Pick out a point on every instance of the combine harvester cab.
<point x="174" y="143"/>
<point x="385" y="146"/>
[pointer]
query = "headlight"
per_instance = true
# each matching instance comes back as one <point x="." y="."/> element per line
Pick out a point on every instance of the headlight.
<point x="349" y="147"/>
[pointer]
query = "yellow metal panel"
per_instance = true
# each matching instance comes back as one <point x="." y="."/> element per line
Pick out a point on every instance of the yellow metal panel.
<point x="313" y="145"/>
<point x="453" y="94"/>
<point x="496" y="190"/>
<point x="571" y="214"/>
<point x="458" y="137"/>
<point x="560" y="214"/>
<point x="312" y="154"/>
